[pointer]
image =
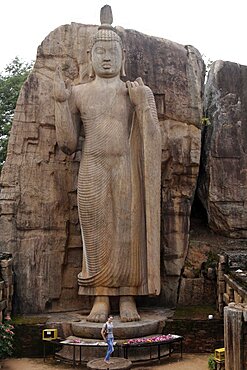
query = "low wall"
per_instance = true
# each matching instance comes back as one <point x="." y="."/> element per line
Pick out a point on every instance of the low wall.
<point x="199" y="335"/>
<point x="28" y="340"/>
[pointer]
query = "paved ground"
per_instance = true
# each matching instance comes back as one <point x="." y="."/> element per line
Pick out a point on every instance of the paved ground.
<point x="189" y="362"/>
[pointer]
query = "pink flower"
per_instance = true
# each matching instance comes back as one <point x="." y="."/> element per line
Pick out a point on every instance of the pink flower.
<point x="159" y="338"/>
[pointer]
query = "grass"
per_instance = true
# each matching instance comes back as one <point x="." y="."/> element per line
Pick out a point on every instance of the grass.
<point x="195" y="312"/>
<point x="29" y="320"/>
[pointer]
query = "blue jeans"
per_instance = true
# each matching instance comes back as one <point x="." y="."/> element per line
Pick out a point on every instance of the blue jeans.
<point x="110" y="348"/>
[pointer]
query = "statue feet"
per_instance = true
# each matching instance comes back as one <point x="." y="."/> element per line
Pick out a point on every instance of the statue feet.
<point x="100" y="310"/>
<point x="128" y="310"/>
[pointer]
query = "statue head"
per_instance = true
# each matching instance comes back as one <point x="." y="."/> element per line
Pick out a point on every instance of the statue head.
<point x="106" y="54"/>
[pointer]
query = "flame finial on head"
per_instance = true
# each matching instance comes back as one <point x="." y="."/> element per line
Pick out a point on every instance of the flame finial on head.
<point x="106" y="17"/>
<point x="106" y="32"/>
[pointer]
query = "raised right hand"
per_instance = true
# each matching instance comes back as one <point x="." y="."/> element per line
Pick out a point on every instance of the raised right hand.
<point x="62" y="91"/>
<point x="137" y="92"/>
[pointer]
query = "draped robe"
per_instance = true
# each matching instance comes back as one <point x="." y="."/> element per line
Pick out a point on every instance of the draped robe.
<point x="119" y="200"/>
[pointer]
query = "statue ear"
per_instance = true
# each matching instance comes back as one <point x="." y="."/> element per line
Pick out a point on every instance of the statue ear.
<point x="90" y="67"/>
<point x="122" y="72"/>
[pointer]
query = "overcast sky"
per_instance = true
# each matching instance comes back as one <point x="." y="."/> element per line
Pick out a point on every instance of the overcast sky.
<point x="217" y="28"/>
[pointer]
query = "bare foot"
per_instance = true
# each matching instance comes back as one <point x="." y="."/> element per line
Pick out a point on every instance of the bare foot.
<point x="128" y="310"/>
<point x="100" y="310"/>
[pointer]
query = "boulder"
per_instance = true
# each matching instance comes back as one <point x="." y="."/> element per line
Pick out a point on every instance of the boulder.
<point x="39" y="219"/>
<point x="223" y="180"/>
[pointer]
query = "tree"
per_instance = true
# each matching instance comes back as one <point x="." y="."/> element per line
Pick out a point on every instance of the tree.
<point x="11" y="81"/>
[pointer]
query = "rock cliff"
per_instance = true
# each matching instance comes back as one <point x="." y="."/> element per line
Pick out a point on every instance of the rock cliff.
<point x="39" y="219"/>
<point x="223" y="180"/>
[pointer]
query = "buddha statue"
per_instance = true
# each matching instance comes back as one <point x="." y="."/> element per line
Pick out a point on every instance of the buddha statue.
<point x="119" y="176"/>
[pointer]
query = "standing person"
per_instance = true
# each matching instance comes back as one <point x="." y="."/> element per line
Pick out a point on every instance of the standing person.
<point x="107" y="334"/>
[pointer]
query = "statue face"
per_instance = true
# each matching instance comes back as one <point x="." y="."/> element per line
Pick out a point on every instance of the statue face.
<point x="107" y="58"/>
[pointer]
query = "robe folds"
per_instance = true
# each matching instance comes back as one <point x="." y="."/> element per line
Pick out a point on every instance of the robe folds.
<point x="119" y="205"/>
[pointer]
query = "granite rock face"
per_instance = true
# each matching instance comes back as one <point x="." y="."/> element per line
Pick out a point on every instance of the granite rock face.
<point x="198" y="280"/>
<point x="223" y="179"/>
<point x="39" y="218"/>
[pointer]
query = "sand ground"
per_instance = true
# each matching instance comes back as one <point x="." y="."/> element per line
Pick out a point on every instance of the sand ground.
<point x="189" y="362"/>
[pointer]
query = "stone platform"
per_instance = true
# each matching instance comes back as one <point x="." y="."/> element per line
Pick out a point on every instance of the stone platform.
<point x="116" y="364"/>
<point x="85" y="329"/>
<point x="91" y="349"/>
<point x="75" y="326"/>
<point x="74" y="323"/>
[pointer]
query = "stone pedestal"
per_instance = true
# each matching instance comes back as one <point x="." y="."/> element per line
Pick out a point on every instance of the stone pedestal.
<point x="85" y="329"/>
<point x="152" y="322"/>
<point x="116" y="364"/>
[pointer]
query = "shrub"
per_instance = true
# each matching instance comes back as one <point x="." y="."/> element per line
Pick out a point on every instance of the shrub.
<point x="6" y="338"/>
<point x="211" y="363"/>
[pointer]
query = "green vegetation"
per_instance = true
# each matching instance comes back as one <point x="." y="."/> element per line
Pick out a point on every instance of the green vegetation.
<point x="195" y="312"/>
<point x="6" y="338"/>
<point x="212" y="260"/>
<point x="29" y="320"/>
<point x="11" y="81"/>
<point x="205" y="121"/>
<point x="211" y="363"/>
